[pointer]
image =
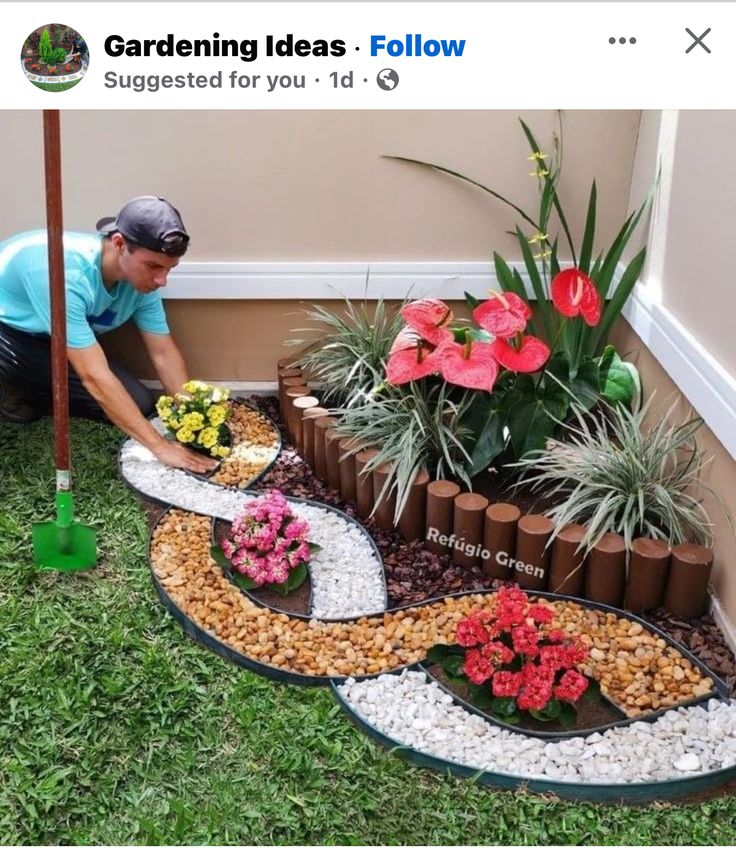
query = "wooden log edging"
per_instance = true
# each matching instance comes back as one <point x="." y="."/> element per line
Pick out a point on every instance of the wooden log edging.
<point x="499" y="537"/>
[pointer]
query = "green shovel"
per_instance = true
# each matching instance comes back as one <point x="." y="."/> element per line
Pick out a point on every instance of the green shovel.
<point x="62" y="544"/>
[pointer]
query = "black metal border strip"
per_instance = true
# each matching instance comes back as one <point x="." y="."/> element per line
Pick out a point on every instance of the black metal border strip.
<point x="634" y="793"/>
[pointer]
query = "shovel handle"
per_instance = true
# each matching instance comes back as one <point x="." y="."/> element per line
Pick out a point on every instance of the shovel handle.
<point x="55" y="229"/>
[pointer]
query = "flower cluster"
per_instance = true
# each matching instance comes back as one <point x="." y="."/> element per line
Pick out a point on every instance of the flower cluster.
<point x="465" y="356"/>
<point x="472" y="357"/>
<point x="198" y="417"/>
<point x="512" y="650"/>
<point x="266" y="541"/>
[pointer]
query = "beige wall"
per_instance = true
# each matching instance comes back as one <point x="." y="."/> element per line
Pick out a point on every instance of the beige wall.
<point x="311" y="185"/>
<point x="698" y="278"/>
<point x="719" y="473"/>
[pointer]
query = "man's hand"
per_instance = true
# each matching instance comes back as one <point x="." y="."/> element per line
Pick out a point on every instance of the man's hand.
<point x="177" y="456"/>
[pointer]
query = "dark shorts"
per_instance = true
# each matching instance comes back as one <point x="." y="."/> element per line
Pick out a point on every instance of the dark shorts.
<point x="25" y="365"/>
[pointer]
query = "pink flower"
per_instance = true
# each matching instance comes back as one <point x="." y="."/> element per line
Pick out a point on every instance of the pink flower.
<point x="471" y="632"/>
<point x="541" y="614"/>
<point x="477" y="667"/>
<point x="525" y="639"/>
<point x="498" y="653"/>
<point x="503" y="315"/>
<point x="411" y="358"/>
<point x="470" y="365"/>
<point x="571" y="687"/>
<point x="429" y="318"/>
<point x="506" y="683"/>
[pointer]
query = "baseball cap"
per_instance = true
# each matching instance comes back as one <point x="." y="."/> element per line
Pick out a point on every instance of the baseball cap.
<point x="151" y="222"/>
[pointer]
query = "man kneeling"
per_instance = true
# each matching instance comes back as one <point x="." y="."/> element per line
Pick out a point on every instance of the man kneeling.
<point x="111" y="277"/>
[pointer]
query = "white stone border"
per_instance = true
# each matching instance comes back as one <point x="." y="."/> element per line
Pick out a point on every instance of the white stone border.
<point x="416" y="712"/>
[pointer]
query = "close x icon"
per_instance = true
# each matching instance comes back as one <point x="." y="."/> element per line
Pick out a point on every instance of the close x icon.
<point x="698" y="41"/>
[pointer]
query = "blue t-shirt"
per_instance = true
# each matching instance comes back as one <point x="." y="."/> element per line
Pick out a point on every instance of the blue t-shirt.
<point x="90" y="307"/>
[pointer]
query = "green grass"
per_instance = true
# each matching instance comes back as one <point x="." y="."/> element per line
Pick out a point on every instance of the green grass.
<point x="56" y="87"/>
<point x="115" y="728"/>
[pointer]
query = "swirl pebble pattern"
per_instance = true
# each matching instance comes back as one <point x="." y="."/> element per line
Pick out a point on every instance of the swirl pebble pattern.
<point x="677" y="742"/>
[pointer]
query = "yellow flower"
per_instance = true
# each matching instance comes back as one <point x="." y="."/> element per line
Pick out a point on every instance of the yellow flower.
<point x="539" y="173"/>
<point x="537" y="155"/>
<point x="184" y="435"/>
<point x="542" y="256"/>
<point x="194" y="420"/>
<point x="538" y="237"/>
<point x="219" y="395"/>
<point x="220" y="452"/>
<point x="208" y="437"/>
<point x="216" y="415"/>
<point x="195" y="385"/>
<point x="164" y="402"/>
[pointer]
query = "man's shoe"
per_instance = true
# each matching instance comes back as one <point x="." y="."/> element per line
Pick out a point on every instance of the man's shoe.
<point x="14" y="407"/>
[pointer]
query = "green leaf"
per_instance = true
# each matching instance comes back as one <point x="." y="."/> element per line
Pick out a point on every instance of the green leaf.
<point x="532" y="413"/>
<point x="479" y="335"/>
<point x="296" y="578"/>
<point x="593" y="690"/>
<point x="619" y="380"/>
<point x="568" y="715"/>
<point x="551" y="711"/>
<point x="218" y="555"/>
<point x="481" y="696"/>
<point x="439" y="652"/>
<point x="540" y="292"/>
<point x="484" y="422"/>
<point x="244" y="581"/>
<point x="586" y="250"/>
<point x="314" y="548"/>
<point x="616" y="304"/>
<point x="453" y="664"/>
<point x="503" y="706"/>
<point x="472" y="301"/>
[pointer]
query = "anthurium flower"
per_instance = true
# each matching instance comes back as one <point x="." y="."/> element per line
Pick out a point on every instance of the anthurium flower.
<point x="574" y="293"/>
<point x="528" y="357"/>
<point x="470" y="365"/>
<point x="504" y="314"/>
<point x="407" y="363"/>
<point x="430" y="318"/>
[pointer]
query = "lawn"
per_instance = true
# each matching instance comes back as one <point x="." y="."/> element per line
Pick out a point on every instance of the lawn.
<point x="117" y="729"/>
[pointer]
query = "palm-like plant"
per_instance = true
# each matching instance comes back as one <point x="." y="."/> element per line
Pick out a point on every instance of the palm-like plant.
<point x="615" y="475"/>
<point x="348" y="358"/>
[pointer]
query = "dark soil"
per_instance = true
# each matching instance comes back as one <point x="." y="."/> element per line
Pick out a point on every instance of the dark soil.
<point x="591" y="713"/>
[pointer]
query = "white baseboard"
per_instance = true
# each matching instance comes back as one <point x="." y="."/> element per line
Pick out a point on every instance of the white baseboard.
<point x="242" y="388"/>
<point x="722" y="619"/>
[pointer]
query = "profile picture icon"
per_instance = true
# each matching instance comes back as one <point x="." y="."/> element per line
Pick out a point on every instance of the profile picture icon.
<point x="54" y="57"/>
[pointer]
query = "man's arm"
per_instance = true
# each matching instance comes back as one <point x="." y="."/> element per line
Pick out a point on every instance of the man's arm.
<point x="167" y="361"/>
<point x="92" y="368"/>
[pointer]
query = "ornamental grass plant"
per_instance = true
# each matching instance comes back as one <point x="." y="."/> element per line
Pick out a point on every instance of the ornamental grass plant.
<point x="615" y="474"/>
<point x="348" y="357"/>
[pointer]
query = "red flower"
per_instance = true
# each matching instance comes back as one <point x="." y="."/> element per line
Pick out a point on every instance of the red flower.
<point x="525" y="639"/>
<point x="477" y="667"/>
<point x="571" y="687"/>
<point x="536" y="689"/>
<point x="470" y="365"/>
<point x="574" y="653"/>
<point x="541" y="614"/>
<point x="470" y="632"/>
<point x="511" y="595"/>
<point x="574" y="293"/>
<point x="530" y="355"/>
<point x="556" y="636"/>
<point x="498" y="653"/>
<point x="506" y="683"/>
<point x="410" y="358"/>
<point x="428" y="317"/>
<point x="503" y="315"/>
<point x="554" y="657"/>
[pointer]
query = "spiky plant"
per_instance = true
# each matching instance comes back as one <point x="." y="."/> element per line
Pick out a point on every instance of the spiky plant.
<point x="413" y="427"/>
<point x="348" y="358"/>
<point x="616" y="475"/>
